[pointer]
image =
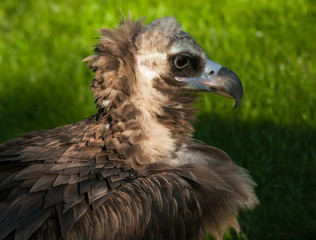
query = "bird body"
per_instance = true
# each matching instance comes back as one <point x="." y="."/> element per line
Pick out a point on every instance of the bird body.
<point x="132" y="171"/>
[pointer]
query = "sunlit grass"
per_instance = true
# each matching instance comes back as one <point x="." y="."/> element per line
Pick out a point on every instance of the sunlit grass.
<point x="269" y="44"/>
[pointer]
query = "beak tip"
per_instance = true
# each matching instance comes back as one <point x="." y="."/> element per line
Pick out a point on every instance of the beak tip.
<point x="236" y="104"/>
<point x="238" y="100"/>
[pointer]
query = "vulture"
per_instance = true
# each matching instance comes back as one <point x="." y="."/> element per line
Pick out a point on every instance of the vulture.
<point x="133" y="170"/>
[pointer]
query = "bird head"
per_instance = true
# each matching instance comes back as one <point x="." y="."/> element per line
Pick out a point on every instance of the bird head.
<point x="159" y="57"/>
<point x="173" y="61"/>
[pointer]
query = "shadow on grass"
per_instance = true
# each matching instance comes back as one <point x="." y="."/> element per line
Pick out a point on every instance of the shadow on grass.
<point x="282" y="160"/>
<point x="44" y="105"/>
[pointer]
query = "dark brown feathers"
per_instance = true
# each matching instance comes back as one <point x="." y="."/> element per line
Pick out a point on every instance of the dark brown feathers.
<point x="113" y="62"/>
<point x="132" y="171"/>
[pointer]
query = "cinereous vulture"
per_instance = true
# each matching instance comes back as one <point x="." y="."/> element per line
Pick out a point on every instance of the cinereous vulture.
<point x="133" y="170"/>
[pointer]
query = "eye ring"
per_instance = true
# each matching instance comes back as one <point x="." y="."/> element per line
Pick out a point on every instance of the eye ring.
<point x="181" y="61"/>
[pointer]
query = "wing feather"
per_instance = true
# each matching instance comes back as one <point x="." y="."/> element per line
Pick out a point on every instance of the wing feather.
<point x="50" y="173"/>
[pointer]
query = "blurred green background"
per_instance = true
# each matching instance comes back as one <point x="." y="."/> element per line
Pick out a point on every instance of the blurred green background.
<point x="269" y="44"/>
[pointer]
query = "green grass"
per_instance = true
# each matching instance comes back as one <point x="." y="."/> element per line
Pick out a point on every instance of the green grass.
<point x="269" y="44"/>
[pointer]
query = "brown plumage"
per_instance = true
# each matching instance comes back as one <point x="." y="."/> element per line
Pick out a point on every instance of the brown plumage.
<point x="132" y="171"/>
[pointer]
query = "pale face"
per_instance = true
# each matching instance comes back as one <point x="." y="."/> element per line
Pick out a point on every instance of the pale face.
<point x="162" y="65"/>
<point x="170" y="60"/>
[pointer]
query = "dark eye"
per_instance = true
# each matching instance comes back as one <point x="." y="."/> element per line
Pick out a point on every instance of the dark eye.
<point x="181" y="61"/>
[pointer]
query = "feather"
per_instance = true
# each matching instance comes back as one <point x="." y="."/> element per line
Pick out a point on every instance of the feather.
<point x="16" y="192"/>
<point x="68" y="179"/>
<point x="66" y="220"/>
<point x="10" y="182"/>
<point x="54" y="196"/>
<point x="28" y="182"/>
<point x="26" y="231"/>
<point x="86" y="185"/>
<point x="71" y="197"/>
<point x="79" y="210"/>
<point x="97" y="203"/>
<point x="44" y="183"/>
<point x="31" y="171"/>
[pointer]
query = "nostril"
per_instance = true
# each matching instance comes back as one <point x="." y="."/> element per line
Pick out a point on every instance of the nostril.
<point x="211" y="73"/>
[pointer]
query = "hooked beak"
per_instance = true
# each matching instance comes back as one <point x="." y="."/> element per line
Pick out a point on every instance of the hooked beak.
<point x="217" y="79"/>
